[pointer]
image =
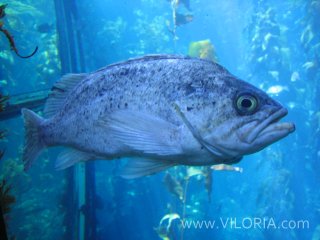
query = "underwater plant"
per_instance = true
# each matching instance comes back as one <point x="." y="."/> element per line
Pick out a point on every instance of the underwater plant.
<point x="174" y="186"/>
<point x="179" y="184"/>
<point x="203" y="49"/>
<point x="179" y="18"/>
<point x="164" y="230"/>
<point x="10" y="37"/>
<point x="6" y="198"/>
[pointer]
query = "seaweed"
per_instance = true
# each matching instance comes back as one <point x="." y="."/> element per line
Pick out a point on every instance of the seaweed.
<point x="10" y="37"/>
<point x="6" y="199"/>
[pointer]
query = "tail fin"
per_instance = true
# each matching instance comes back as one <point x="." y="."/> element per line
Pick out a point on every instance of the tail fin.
<point x="33" y="141"/>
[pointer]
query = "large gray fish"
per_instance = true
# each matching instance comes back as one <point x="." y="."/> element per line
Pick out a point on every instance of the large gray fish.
<point x="158" y="110"/>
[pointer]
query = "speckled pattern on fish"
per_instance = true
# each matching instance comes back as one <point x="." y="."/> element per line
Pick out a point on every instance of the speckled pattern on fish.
<point x="165" y="109"/>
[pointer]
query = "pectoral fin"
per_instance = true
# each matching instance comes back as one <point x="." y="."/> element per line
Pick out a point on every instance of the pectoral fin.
<point x="144" y="132"/>
<point x="139" y="167"/>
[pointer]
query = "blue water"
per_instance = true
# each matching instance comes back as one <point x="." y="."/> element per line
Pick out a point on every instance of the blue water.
<point x="274" y="45"/>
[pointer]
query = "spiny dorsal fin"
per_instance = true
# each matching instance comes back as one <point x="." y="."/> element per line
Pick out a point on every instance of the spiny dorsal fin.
<point x="60" y="91"/>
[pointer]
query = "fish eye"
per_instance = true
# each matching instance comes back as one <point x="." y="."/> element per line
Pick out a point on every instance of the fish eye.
<point x="246" y="103"/>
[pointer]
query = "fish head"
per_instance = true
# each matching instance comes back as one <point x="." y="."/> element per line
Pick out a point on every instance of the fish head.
<point x="246" y="121"/>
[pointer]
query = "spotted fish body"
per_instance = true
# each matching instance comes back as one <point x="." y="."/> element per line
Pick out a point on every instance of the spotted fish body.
<point x="150" y="84"/>
<point x="159" y="110"/>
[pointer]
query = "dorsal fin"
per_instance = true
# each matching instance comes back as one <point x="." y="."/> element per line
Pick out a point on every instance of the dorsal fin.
<point x="60" y="91"/>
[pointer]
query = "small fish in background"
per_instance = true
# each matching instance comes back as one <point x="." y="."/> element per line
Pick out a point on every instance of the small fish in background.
<point x="309" y="65"/>
<point x="276" y="89"/>
<point x="295" y="76"/>
<point x="225" y="167"/>
<point x="158" y="111"/>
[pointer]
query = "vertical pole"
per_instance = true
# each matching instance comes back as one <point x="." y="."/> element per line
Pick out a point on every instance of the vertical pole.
<point x="90" y="230"/>
<point x="71" y="221"/>
<point x="81" y="219"/>
<point x="80" y="190"/>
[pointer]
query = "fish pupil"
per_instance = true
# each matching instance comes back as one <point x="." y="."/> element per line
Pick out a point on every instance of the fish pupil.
<point x="246" y="103"/>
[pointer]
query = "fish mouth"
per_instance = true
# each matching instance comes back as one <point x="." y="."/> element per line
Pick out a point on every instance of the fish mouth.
<point x="271" y="130"/>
